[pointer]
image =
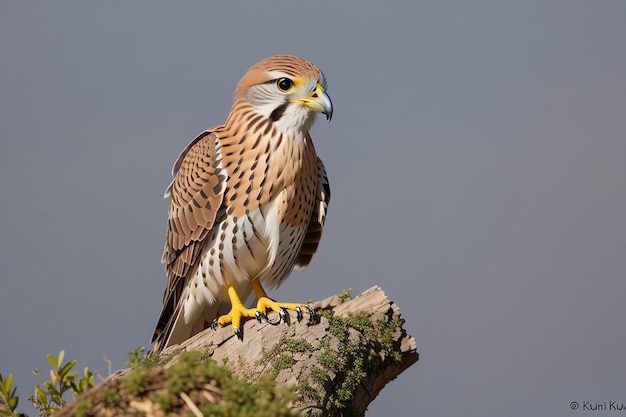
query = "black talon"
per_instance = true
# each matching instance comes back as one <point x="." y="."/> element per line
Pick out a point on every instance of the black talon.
<point x="284" y="316"/>
<point x="239" y="334"/>
<point x="299" y="313"/>
<point x="260" y="316"/>
<point x="313" y="318"/>
<point x="214" y="324"/>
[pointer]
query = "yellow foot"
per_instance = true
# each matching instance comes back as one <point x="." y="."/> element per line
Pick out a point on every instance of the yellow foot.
<point x="234" y="317"/>
<point x="238" y="312"/>
<point x="266" y="303"/>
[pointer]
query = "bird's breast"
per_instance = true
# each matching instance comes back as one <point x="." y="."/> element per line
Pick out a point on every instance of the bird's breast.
<point x="271" y="169"/>
<point x="269" y="199"/>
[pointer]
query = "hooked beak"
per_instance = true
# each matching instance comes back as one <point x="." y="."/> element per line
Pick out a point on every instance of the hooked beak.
<point x="318" y="101"/>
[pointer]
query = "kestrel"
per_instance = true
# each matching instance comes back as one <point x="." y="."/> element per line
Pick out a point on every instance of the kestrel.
<point x="247" y="203"/>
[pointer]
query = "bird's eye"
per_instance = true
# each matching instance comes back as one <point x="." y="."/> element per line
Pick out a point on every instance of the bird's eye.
<point x="284" y="84"/>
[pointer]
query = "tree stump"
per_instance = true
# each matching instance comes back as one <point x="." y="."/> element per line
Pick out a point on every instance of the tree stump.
<point x="332" y="366"/>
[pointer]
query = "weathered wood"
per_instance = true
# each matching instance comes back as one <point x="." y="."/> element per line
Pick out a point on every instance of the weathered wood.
<point x="362" y="335"/>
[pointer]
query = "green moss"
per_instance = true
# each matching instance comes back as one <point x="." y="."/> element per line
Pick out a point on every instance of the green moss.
<point x="328" y="358"/>
<point x="193" y="369"/>
<point x="165" y="401"/>
<point x="346" y="295"/>
<point x="140" y="365"/>
<point x="354" y="359"/>
<point x="349" y="363"/>
<point x="284" y="361"/>
<point x="83" y="409"/>
<point x="379" y="335"/>
<point x="306" y="391"/>
<point x="134" y="382"/>
<point x="137" y="358"/>
<point x="280" y="356"/>
<point x="305" y="388"/>
<point x="261" y="400"/>
<point x="110" y="397"/>
<point x="318" y="375"/>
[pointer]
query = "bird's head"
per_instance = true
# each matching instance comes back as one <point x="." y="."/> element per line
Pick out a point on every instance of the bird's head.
<point x="287" y="89"/>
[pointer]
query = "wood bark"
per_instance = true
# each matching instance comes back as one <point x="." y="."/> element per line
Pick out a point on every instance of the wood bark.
<point x="265" y="349"/>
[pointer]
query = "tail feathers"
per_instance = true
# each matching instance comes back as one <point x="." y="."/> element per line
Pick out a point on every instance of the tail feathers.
<point x="177" y="331"/>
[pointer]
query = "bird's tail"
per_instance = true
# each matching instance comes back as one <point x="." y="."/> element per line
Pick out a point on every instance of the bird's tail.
<point x="176" y="330"/>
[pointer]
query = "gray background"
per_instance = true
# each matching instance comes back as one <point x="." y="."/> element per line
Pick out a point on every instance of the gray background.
<point x="477" y="160"/>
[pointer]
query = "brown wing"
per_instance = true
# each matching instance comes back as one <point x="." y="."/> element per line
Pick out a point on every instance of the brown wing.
<point x="318" y="217"/>
<point x="196" y="195"/>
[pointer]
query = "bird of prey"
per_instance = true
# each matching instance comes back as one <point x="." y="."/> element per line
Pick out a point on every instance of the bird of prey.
<point x="247" y="203"/>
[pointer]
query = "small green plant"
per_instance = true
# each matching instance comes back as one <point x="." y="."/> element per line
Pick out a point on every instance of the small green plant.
<point x="260" y="399"/>
<point x="354" y="359"/>
<point x="8" y="399"/>
<point x="191" y="371"/>
<point x="346" y="295"/>
<point x="140" y="363"/>
<point x="137" y="358"/>
<point x="281" y="355"/>
<point x="48" y="398"/>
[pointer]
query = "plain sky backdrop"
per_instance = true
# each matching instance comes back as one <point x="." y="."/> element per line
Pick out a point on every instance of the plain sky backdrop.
<point x="477" y="160"/>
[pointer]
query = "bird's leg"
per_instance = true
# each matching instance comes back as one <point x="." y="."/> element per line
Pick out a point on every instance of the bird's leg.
<point x="237" y="311"/>
<point x="264" y="303"/>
